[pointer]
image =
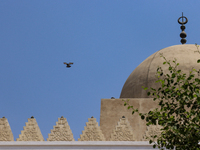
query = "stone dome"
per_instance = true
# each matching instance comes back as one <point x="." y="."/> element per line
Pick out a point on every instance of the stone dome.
<point x="144" y="74"/>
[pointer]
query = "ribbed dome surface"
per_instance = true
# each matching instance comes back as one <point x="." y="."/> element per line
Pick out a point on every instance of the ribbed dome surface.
<point x="144" y="74"/>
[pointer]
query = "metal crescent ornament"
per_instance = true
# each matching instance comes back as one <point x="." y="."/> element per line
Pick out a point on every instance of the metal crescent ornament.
<point x="186" y="20"/>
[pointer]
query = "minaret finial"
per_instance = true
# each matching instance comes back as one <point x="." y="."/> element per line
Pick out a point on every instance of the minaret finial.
<point x="183" y="34"/>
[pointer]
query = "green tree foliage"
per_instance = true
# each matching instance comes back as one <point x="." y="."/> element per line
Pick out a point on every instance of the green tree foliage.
<point x="178" y="112"/>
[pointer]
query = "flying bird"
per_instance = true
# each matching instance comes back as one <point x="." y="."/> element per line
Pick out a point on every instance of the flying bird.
<point x="68" y="65"/>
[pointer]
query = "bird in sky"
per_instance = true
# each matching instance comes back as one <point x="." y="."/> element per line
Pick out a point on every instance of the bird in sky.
<point x="68" y="65"/>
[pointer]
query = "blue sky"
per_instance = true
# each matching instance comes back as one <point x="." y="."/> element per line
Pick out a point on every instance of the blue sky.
<point x="106" y="40"/>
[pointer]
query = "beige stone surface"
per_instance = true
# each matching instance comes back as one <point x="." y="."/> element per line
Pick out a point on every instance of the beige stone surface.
<point x="123" y="131"/>
<point x="31" y="131"/>
<point x="92" y="131"/>
<point x="144" y="74"/>
<point x="5" y="130"/>
<point x="61" y="131"/>
<point x="112" y="111"/>
<point x="151" y="131"/>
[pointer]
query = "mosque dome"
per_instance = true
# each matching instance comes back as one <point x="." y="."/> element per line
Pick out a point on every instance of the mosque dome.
<point x="144" y="74"/>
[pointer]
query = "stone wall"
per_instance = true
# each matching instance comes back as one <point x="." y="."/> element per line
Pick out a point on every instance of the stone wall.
<point x="112" y="111"/>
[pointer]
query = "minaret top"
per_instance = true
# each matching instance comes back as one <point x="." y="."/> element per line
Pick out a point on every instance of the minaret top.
<point x="183" y="35"/>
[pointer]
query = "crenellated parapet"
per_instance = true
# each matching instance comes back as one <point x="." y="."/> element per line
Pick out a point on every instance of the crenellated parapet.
<point x="92" y="131"/>
<point x="5" y="130"/>
<point x="31" y="131"/>
<point x="151" y="131"/>
<point x="61" y="131"/>
<point x="123" y="131"/>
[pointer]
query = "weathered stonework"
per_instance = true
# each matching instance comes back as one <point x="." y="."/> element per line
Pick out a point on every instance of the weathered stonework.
<point x="123" y="131"/>
<point x="113" y="109"/>
<point x="92" y="131"/>
<point x="31" y="131"/>
<point x="145" y="73"/>
<point x="5" y="130"/>
<point x="151" y="131"/>
<point x="61" y="132"/>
